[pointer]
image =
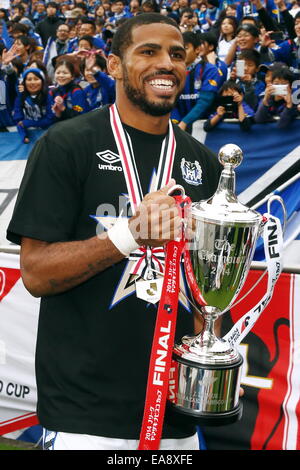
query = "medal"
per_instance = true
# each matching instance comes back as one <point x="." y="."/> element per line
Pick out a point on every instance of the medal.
<point x="148" y="261"/>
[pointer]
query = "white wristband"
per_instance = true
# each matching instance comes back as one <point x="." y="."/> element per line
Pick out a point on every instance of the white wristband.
<point x="121" y="236"/>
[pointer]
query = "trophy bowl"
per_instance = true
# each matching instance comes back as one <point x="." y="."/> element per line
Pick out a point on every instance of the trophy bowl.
<point x="206" y="370"/>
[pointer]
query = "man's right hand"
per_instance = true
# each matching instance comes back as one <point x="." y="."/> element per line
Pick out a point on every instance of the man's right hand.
<point x="157" y="220"/>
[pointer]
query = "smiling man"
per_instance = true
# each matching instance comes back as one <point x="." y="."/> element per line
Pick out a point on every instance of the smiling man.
<point x="95" y="333"/>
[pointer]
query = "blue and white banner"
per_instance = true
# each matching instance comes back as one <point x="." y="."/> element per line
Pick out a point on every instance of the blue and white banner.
<point x="271" y="159"/>
<point x="13" y="157"/>
<point x="271" y="164"/>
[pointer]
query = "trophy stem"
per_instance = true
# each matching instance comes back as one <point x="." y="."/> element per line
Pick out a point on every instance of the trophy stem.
<point x="207" y="336"/>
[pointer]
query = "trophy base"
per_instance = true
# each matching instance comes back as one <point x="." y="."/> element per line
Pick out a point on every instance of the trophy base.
<point x="202" y="418"/>
<point x="205" y="394"/>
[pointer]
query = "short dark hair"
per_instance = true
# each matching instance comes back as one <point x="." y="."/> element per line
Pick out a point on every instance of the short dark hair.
<point x="231" y="85"/>
<point x="210" y="38"/>
<point x="82" y="5"/>
<point x="249" y="28"/>
<point x="87" y="38"/>
<point x="86" y="20"/>
<point x="250" y="54"/>
<point x="187" y="10"/>
<point x="99" y="61"/>
<point x="21" y="28"/>
<point x="52" y="4"/>
<point x="191" y="38"/>
<point x="283" y="73"/>
<point x="249" y="18"/>
<point x="20" y="7"/>
<point x="123" y="36"/>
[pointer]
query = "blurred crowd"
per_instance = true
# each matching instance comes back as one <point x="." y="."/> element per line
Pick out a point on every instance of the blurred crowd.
<point x="242" y="57"/>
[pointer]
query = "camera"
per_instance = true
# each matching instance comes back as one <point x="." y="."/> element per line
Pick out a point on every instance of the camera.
<point x="277" y="36"/>
<point x="229" y="105"/>
<point x="280" y="90"/>
<point x="240" y="68"/>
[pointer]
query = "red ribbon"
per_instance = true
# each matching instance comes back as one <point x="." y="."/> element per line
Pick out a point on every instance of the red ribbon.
<point x="162" y="346"/>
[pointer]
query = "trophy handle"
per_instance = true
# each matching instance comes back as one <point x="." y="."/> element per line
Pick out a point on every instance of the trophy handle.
<point x="176" y="187"/>
<point x="273" y="198"/>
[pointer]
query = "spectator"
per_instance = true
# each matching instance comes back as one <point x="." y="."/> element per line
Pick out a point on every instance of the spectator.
<point x="201" y="85"/>
<point x="82" y="8"/>
<point x="119" y="11"/>
<point x="20" y="17"/>
<point x="247" y="37"/>
<point x="19" y="29"/>
<point x="228" y="28"/>
<point x="101" y="88"/>
<point x="85" y="43"/>
<point x="277" y="101"/>
<point x="100" y="12"/>
<point x="68" y="99"/>
<point x="8" y="87"/>
<point x="266" y="71"/>
<point x="209" y="44"/>
<point x="24" y="46"/>
<point x="230" y="10"/>
<point x="39" y="13"/>
<point x="252" y="87"/>
<point x="237" y="109"/>
<point x="134" y="7"/>
<point x="48" y="26"/>
<point x="38" y="64"/>
<point x="56" y="47"/>
<point x="289" y="50"/>
<point x="86" y="28"/>
<point x="212" y="11"/>
<point x="186" y="20"/>
<point x="4" y="15"/>
<point x="33" y="106"/>
<point x="150" y="6"/>
<point x="201" y="11"/>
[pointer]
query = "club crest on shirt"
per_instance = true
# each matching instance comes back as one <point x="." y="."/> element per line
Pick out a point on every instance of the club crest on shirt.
<point x="191" y="172"/>
<point x="110" y="159"/>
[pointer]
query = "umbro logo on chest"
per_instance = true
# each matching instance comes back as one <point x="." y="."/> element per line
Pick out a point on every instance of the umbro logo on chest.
<point x="112" y="161"/>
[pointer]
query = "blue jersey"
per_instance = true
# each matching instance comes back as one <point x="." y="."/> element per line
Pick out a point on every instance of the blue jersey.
<point x="101" y="95"/>
<point x="98" y="43"/>
<point x="8" y="84"/>
<point x="222" y="71"/>
<point x="74" y="100"/>
<point x="289" y="53"/>
<point x="201" y="86"/>
<point x="246" y="8"/>
<point x="32" y="114"/>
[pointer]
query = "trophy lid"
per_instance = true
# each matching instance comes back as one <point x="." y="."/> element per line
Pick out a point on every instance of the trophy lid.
<point x="224" y="205"/>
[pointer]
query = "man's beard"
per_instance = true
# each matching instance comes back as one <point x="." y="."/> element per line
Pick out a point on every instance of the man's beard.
<point x="138" y="98"/>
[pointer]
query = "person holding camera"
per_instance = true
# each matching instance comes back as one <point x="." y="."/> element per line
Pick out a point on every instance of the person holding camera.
<point x="201" y="85"/>
<point x="230" y="105"/>
<point x="101" y="88"/>
<point x="245" y="73"/>
<point x="288" y="51"/>
<point x="277" y="101"/>
<point x="189" y="21"/>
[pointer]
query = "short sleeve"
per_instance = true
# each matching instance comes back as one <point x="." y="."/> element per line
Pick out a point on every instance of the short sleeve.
<point x="48" y="200"/>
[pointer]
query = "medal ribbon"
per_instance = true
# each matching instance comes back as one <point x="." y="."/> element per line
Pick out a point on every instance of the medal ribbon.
<point x="164" y="172"/>
<point x="162" y="346"/>
<point x="126" y="155"/>
<point x="273" y="246"/>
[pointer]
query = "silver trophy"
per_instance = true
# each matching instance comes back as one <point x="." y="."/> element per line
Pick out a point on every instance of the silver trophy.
<point x="206" y="370"/>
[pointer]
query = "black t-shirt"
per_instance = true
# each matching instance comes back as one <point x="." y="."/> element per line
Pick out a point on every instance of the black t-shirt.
<point x="94" y="340"/>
